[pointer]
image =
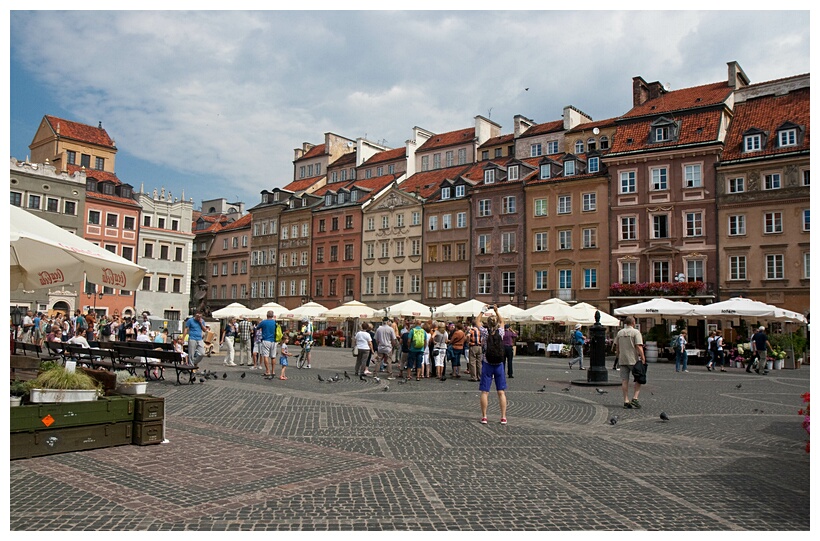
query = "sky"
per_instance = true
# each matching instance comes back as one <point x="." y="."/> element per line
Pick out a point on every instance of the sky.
<point x="213" y="103"/>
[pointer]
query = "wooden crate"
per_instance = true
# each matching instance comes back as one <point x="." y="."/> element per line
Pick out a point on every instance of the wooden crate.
<point x="64" y="440"/>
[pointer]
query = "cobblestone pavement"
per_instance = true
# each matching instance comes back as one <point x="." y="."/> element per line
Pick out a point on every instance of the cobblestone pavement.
<point x="251" y="454"/>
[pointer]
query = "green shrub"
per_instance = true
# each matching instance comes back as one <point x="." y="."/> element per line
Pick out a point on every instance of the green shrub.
<point x="59" y="378"/>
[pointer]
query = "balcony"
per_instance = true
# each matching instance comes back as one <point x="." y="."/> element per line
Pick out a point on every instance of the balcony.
<point x="661" y="289"/>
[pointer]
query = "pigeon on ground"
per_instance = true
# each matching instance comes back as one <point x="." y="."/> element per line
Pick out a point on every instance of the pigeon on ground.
<point x="402" y="381"/>
<point x="202" y="380"/>
<point x="320" y="377"/>
<point x="443" y="378"/>
<point x="362" y="378"/>
<point x="739" y="385"/>
<point x="386" y="388"/>
<point x="613" y="419"/>
<point x="346" y="376"/>
<point x="224" y="375"/>
<point x="664" y="416"/>
<point x="243" y="375"/>
<point x="600" y="391"/>
<point x="565" y="389"/>
<point x="542" y="389"/>
<point x="376" y="378"/>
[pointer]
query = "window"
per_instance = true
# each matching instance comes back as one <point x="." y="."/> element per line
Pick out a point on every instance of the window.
<point x="322" y="225"/>
<point x="225" y="269"/>
<point x="484" y="208"/>
<point x="462" y="156"/>
<point x="694" y="271"/>
<point x="590" y="278"/>
<point x="751" y="143"/>
<point x="512" y="172"/>
<point x="320" y="254"/>
<point x="569" y="168"/>
<point x="415" y="283"/>
<point x="565" y="284"/>
<point x="34" y="202"/>
<point x="484" y="283"/>
<point x="737" y="225"/>
<point x="99" y="164"/>
<point x="163" y="251"/>
<point x="593" y="164"/>
<point x="806" y="177"/>
<point x="348" y="252"/>
<point x="371" y="223"/>
<point x="319" y="290"/>
<point x="508" y="205"/>
<point x="540" y="279"/>
<point x="659" y="178"/>
<point x="177" y="286"/>
<point x="146" y="283"/>
<point x="787" y="138"/>
<point x="383" y="285"/>
<point x="461" y="220"/>
<point x="461" y="251"/>
<point x="564" y="204"/>
<point x="535" y="150"/>
<point x="432" y="289"/>
<point x="432" y="222"/>
<point x="771" y="182"/>
<point x="694" y="224"/>
<point x="660" y="226"/>
<point x="447" y="221"/>
<point x="692" y="177"/>
<point x="590" y="237"/>
<point x="498" y="152"/>
<point x="17" y="199"/>
<point x="773" y="222"/>
<point x="368" y="285"/>
<point x="662" y="133"/>
<point x="369" y="250"/>
<point x="437" y="160"/>
<point x="331" y="287"/>
<point x="590" y="201"/>
<point x="540" y="241"/>
<point x="385" y="245"/>
<point x="660" y="271"/>
<point x="604" y="142"/>
<point x="446" y="289"/>
<point x="305" y="230"/>
<point x="225" y="243"/>
<point x="508" y="283"/>
<point x="334" y="253"/>
<point x="52" y="205"/>
<point x="425" y="163"/>
<point x="629" y="230"/>
<point x="461" y="289"/>
<point x="432" y="253"/>
<point x="415" y="247"/>
<point x="628" y="182"/>
<point x="71" y="157"/>
<point x="806" y="219"/>
<point x="806" y="266"/>
<point x="111" y="220"/>
<point x="161" y="223"/>
<point x="590" y="144"/>
<point x="334" y="224"/>
<point x="399" y="284"/>
<point x="215" y="269"/>
<point x="348" y="222"/>
<point x="489" y="176"/>
<point x="507" y="242"/>
<point x="579" y="147"/>
<point x="128" y="253"/>
<point x="629" y="272"/>
<point x="540" y="207"/>
<point x="460" y="190"/>
<point x="161" y="284"/>
<point x="399" y="248"/>
<point x="448" y="158"/>
<point x="774" y="267"/>
<point x="415" y="218"/>
<point x="544" y="171"/>
<point x="736" y="185"/>
<point x="283" y="288"/>
<point x="445" y="193"/>
<point x="737" y="267"/>
<point x="484" y="244"/>
<point x="565" y="239"/>
<point x="552" y="147"/>
<point x="148" y="251"/>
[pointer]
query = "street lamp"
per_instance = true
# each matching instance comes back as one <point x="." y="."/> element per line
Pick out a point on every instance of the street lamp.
<point x="96" y="295"/>
<point x="16" y="319"/>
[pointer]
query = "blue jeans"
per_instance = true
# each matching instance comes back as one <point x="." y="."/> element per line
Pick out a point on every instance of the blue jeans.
<point x="579" y="349"/>
<point x="681" y="356"/>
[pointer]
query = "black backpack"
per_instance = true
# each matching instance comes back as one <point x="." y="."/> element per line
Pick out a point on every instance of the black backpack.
<point x="106" y="330"/>
<point x="495" y="348"/>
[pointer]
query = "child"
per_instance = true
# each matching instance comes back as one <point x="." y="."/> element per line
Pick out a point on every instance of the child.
<point x="283" y="356"/>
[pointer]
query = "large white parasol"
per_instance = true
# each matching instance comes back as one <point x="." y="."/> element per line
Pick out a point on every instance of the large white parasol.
<point x="44" y="255"/>
<point x="262" y="311"/>
<point x="586" y="316"/>
<point x="659" y="307"/>
<point x="310" y="310"/>
<point x="352" y="309"/>
<point x="235" y="309"/>
<point x="408" y="308"/>
<point x="550" y="311"/>
<point x="469" y="308"/>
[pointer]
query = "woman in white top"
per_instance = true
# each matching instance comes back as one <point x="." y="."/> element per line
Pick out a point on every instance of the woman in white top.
<point x="364" y="345"/>
<point x="440" y="337"/>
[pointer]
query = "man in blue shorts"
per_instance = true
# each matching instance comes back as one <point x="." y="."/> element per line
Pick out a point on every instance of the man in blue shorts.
<point x="416" y="353"/>
<point x="268" y="349"/>
<point x="492" y="366"/>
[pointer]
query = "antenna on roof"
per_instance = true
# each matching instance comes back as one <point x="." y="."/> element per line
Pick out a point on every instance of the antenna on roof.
<point x="490" y="113"/>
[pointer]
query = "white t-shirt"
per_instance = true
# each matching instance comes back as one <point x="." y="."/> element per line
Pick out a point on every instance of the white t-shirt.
<point x="363" y="340"/>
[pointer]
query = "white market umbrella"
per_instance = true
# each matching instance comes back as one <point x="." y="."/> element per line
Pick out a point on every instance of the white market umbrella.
<point x="741" y="307"/>
<point x="469" y="308"/>
<point x="310" y="310"/>
<point x="508" y="312"/>
<point x="43" y="255"/>
<point x="549" y="311"/>
<point x="408" y="308"/>
<point x="659" y="307"/>
<point x="443" y="307"/>
<point x="586" y="316"/>
<point x="262" y="311"/>
<point x="235" y="309"/>
<point x="352" y="309"/>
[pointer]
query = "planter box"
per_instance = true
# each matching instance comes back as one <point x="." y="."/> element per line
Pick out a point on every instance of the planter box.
<point x="59" y="396"/>
<point x="16" y="400"/>
<point x="63" y="440"/>
<point x="110" y="409"/>
<point x="132" y="388"/>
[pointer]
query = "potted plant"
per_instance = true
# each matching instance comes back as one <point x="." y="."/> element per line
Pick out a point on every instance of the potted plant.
<point x="60" y="385"/>
<point x="130" y="384"/>
<point x="19" y="389"/>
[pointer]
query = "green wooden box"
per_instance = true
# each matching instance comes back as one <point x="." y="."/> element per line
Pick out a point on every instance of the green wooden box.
<point x="109" y="409"/>
<point x="148" y="432"/>
<point x="148" y="408"/>
<point x="64" y="440"/>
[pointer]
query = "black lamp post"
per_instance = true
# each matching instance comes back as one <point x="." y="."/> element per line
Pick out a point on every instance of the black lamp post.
<point x="16" y="320"/>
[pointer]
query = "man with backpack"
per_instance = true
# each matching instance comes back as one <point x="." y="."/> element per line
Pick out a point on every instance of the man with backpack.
<point x="578" y="340"/>
<point x="417" y="339"/>
<point x="492" y="368"/>
<point x="717" y="344"/>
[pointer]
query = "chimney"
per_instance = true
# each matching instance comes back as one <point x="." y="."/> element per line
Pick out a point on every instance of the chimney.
<point x="485" y="129"/>
<point x="520" y="125"/>
<point x="642" y="91"/>
<point x="737" y="77"/>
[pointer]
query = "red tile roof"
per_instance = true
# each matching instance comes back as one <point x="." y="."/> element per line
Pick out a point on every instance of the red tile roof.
<point x="697" y="127"/>
<point x="448" y="139"/>
<point x="681" y="100"/>
<point x="80" y="132"/>
<point x="386" y="156"/>
<point x="546" y="127"/>
<point x="318" y="150"/>
<point x="374" y="183"/>
<point x="587" y="126"/>
<point x="302" y="184"/>
<point x="768" y="113"/>
<point x="500" y="140"/>
<point x="112" y="199"/>
<point x="344" y="159"/>
<point x="243" y="222"/>
<point x="93" y="173"/>
<point x="427" y="182"/>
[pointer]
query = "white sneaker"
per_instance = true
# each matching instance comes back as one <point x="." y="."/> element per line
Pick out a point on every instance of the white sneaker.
<point x="232" y="364"/>
<point x="308" y="366"/>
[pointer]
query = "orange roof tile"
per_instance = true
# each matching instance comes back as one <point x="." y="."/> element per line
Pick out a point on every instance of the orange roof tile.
<point x="680" y="100"/>
<point x="93" y="173"/>
<point x="302" y="184"/>
<point x="768" y="113"/>
<point x="386" y="156"/>
<point x="500" y="140"/>
<point x="448" y="139"/>
<point x="372" y="184"/>
<point x="586" y="126"/>
<point x="428" y="182"/>
<point x="695" y="127"/>
<point x="546" y="127"/>
<point x="344" y="159"/>
<point x="244" y="221"/>
<point x="80" y="132"/>
<point x="112" y="198"/>
<point x="318" y="150"/>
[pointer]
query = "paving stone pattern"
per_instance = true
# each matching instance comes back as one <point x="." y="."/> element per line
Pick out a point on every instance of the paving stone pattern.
<point x="246" y="454"/>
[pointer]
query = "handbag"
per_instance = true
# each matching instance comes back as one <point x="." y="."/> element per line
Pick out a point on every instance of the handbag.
<point x="355" y="351"/>
<point x="639" y="372"/>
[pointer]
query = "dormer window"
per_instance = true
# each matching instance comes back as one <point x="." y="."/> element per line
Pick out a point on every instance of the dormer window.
<point x="591" y="144"/>
<point x="354" y="195"/>
<point x="545" y="171"/>
<point x="292" y="204"/>
<point x="329" y="199"/>
<point x="604" y="142"/>
<point x="593" y="164"/>
<point x="340" y="198"/>
<point x="512" y="172"/>
<point x="579" y="147"/>
<point x="275" y="196"/>
<point x="662" y="134"/>
<point x="445" y="193"/>
<point x="460" y="190"/>
<point x="125" y="191"/>
<point x="787" y="138"/>
<point x="489" y="176"/>
<point x="752" y="143"/>
<point x="569" y="168"/>
<point x="107" y="188"/>
<point x="662" y="130"/>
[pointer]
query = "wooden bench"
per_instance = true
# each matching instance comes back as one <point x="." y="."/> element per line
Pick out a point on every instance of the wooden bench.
<point x="149" y="359"/>
<point x="94" y="358"/>
<point x="32" y="350"/>
<point x="23" y="368"/>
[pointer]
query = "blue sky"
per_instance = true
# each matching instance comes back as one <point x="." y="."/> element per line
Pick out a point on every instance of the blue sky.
<point x="213" y="103"/>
